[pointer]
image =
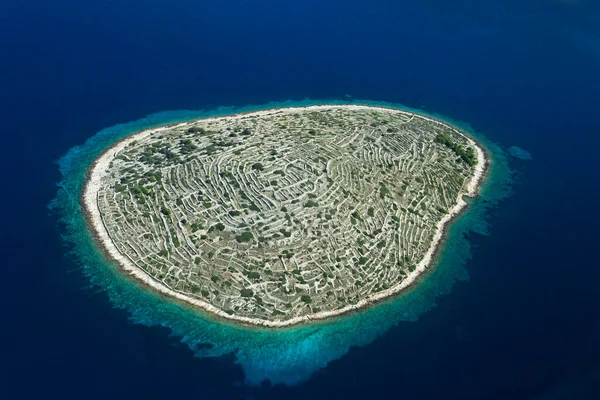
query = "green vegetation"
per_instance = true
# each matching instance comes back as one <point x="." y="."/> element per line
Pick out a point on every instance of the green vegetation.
<point x="467" y="155"/>
<point x="311" y="203"/>
<point x="384" y="191"/>
<point x="218" y="227"/>
<point x="165" y="210"/>
<point x="195" y="129"/>
<point x="252" y="275"/>
<point x="244" y="237"/>
<point x="258" y="167"/>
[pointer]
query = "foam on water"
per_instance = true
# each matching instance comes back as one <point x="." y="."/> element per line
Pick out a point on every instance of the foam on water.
<point x="288" y="355"/>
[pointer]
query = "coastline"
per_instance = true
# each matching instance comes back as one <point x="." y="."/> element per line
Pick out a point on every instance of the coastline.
<point x="93" y="217"/>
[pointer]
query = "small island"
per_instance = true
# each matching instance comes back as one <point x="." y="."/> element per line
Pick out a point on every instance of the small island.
<point x="282" y="216"/>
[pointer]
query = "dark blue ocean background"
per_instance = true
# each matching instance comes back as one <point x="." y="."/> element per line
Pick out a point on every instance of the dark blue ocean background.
<point x="521" y="322"/>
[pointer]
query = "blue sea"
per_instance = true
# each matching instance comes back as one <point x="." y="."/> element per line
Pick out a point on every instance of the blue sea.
<point x="511" y="310"/>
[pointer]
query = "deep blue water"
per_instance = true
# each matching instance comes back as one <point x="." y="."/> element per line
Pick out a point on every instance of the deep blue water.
<point x="524" y="325"/>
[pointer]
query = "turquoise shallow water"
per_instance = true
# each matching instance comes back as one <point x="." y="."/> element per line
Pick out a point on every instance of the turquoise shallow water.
<point x="288" y="355"/>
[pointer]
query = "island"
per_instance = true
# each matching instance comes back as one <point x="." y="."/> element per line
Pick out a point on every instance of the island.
<point x="282" y="216"/>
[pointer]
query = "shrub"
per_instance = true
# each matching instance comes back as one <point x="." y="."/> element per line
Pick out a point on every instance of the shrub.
<point x="166" y="211"/>
<point x="195" y="129"/>
<point x="468" y="155"/>
<point x="253" y="275"/>
<point x="244" y="237"/>
<point x="311" y="203"/>
<point x="384" y="191"/>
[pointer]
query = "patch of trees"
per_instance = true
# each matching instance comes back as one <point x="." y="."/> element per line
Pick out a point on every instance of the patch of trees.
<point x="384" y="191"/>
<point x="140" y="192"/>
<point x="187" y="146"/>
<point x="258" y="167"/>
<point x="311" y="203"/>
<point x="218" y="227"/>
<point x="153" y="176"/>
<point x="252" y="275"/>
<point x="244" y="237"/>
<point x="285" y="233"/>
<point x="195" y="129"/>
<point x="166" y="211"/>
<point x="163" y="253"/>
<point x="165" y="151"/>
<point x="467" y="155"/>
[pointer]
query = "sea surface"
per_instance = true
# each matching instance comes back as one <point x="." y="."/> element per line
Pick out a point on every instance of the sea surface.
<point x="509" y="312"/>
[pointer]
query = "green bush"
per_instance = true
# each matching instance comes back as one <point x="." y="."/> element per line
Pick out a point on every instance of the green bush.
<point x="195" y="129"/>
<point x="244" y="237"/>
<point x="467" y="155"/>
<point x="311" y="203"/>
<point x="166" y="211"/>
